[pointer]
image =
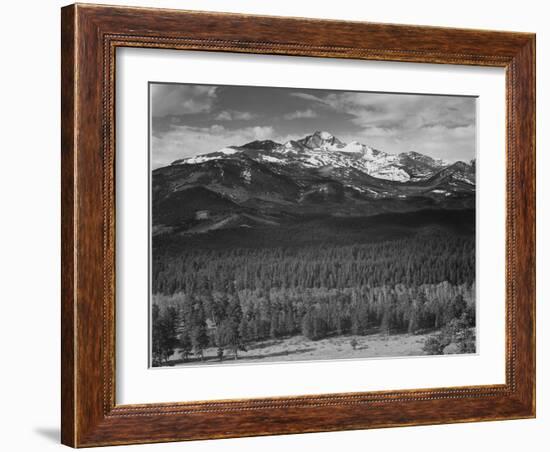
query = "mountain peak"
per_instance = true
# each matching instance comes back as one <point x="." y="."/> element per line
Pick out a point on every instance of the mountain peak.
<point x="324" y="135"/>
<point x="321" y="139"/>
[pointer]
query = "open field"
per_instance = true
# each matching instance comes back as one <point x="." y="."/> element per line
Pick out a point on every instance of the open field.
<point x="299" y="348"/>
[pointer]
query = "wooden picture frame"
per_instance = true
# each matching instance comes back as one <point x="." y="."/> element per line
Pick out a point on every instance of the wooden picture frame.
<point x="90" y="35"/>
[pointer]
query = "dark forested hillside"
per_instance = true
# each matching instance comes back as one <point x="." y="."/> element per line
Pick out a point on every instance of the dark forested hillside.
<point x="423" y="259"/>
<point x="228" y="289"/>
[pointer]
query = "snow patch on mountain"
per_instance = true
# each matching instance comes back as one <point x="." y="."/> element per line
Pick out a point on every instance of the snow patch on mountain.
<point x="290" y="147"/>
<point x="353" y="147"/>
<point x="228" y="151"/>
<point x="463" y="179"/>
<point x="202" y="158"/>
<point x="391" y="173"/>
<point x="197" y="159"/>
<point x="269" y="158"/>
<point x="247" y="175"/>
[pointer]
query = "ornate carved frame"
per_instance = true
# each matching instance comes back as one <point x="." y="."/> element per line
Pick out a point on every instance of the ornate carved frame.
<point x="90" y="36"/>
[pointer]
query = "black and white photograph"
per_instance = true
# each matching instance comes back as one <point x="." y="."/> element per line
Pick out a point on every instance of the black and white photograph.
<point x="292" y="224"/>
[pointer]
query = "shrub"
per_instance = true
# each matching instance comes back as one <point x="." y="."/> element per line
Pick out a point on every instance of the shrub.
<point x="458" y="333"/>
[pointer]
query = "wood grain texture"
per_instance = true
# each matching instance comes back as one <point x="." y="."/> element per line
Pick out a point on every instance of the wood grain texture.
<point x="68" y="244"/>
<point x="90" y="36"/>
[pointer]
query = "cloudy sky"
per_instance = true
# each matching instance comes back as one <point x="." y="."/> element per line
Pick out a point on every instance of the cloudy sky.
<point x="187" y="120"/>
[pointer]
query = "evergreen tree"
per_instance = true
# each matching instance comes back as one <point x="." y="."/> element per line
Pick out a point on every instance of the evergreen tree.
<point x="232" y="325"/>
<point x="185" y="346"/>
<point x="414" y="313"/>
<point x="164" y="335"/>
<point x="156" y="335"/>
<point x="308" y="329"/>
<point x="274" y="321"/>
<point x="220" y="339"/>
<point x="199" y="335"/>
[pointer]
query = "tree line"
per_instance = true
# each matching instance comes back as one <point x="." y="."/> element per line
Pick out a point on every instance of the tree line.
<point x="231" y="319"/>
<point x="415" y="261"/>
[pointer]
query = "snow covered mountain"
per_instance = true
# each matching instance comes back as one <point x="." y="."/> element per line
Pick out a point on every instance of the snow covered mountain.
<point x="322" y="149"/>
<point x="268" y="183"/>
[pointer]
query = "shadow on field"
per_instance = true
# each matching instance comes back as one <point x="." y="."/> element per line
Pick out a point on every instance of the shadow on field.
<point x="274" y="355"/>
<point x="265" y="344"/>
<point x="244" y="356"/>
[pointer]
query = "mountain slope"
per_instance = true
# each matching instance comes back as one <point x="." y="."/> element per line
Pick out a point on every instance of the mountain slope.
<point x="268" y="183"/>
<point x="323" y="149"/>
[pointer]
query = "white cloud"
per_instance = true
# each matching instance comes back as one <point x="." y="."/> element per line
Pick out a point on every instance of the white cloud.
<point x="260" y="132"/>
<point x="171" y="99"/>
<point x="403" y="111"/>
<point x="234" y="115"/>
<point x="185" y="141"/>
<point x="443" y="126"/>
<point x="223" y="116"/>
<point x="309" y="113"/>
